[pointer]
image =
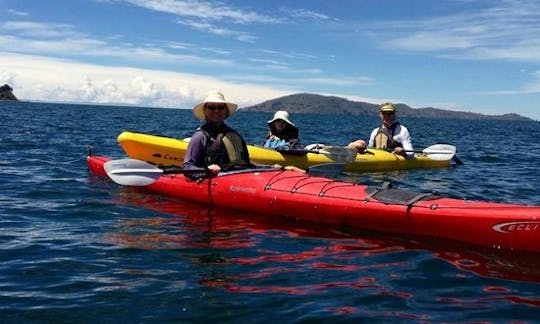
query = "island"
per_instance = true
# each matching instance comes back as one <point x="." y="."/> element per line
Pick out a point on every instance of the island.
<point x="319" y="104"/>
<point x="6" y="93"/>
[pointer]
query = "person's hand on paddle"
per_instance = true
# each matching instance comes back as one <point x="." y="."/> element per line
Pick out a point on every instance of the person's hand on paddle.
<point x="288" y="168"/>
<point x="293" y="168"/>
<point x="359" y="145"/>
<point x="214" y="168"/>
<point x="400" y="151"/>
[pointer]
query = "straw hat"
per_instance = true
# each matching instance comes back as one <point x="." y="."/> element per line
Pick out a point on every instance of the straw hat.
<point x="283" y="115"/>
<point x="214" y="97"/>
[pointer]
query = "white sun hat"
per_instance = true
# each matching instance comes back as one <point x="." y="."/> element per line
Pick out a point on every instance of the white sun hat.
<point x="283" y="115"/>
<point x="213" y="96"/>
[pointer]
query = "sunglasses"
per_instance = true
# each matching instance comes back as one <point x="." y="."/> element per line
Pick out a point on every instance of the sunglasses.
<point x="387" y="112"/>
<point x="215" y="107"/>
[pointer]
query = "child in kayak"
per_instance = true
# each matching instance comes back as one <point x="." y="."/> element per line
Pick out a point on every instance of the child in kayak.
<point x="283" y="133"/>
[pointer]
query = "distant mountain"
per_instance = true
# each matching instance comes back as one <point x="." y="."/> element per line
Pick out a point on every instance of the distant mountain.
<point x="318" y="104"/>
<point x="6" y="93"/>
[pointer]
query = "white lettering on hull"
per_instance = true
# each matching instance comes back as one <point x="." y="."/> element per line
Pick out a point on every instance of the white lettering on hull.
<point x="509" y="227"/>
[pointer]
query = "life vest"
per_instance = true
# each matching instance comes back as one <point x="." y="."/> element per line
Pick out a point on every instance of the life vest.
<point x="228" y="150"/>
<point x="384" y="139"/>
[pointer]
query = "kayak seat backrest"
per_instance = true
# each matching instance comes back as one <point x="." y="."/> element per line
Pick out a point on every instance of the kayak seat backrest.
<point x="388" y="195"/>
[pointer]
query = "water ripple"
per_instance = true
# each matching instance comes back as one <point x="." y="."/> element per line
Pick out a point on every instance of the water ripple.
<point x="77" y="248"/>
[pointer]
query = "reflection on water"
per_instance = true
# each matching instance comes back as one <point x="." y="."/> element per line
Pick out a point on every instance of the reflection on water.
<point x="254" y="254"/>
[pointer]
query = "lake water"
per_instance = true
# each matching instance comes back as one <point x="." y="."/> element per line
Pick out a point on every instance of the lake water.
<point x="76" y="248"/>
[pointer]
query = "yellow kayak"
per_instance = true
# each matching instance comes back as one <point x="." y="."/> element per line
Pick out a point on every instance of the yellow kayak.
<point x="167" y="151"/>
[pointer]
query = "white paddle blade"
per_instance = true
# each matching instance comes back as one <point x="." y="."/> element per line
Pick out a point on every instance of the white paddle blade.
<point x="341" y="154"/>
<point x="440" y="152"/>
<point x="315" y="146"/>
<point x="131" y="172"/>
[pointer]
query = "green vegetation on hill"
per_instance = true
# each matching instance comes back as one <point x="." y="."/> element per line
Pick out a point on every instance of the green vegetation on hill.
<point x="318" y="104"/>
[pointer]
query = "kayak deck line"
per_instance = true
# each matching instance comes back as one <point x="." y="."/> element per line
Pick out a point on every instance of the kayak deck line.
<point x="385" y="193"/>
<point x="389" y="195"/>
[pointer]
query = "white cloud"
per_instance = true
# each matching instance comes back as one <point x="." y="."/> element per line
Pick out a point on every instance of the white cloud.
<point x="40" y="30"/>
<point x="509" y="30"/>
<point x="17" y="13"/>
<point x="305" y="14"/>
<point x="41" y="78"/>
<point x="89" y="92"/>
<point x="204" y="16"/>
<point x="220" y="31"/>
<point x="206" y="10"/>
<point x="62" y="39"/>
<point x="218" y="11"/>
<point x="7" y="77"/>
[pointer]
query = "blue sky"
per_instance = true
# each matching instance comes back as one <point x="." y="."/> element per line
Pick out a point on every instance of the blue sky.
<point x="468" y="55"/>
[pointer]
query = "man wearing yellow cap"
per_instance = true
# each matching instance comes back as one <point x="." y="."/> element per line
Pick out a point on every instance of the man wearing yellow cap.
<point x="391" y="135"/>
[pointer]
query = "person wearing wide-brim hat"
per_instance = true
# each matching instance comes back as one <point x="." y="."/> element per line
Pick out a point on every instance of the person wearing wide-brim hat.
<point x="217" y="98"/>
<point x="215" y="146"/>
<point x="391" y="135"/>
<point x="283" y="133"/>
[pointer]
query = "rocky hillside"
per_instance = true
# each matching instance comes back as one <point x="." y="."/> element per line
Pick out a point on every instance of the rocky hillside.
<point x="317" y="104"/>
<point x="6" y="93"/>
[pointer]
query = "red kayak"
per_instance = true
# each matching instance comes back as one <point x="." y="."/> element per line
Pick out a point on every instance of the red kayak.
<point x="337" y="203"/>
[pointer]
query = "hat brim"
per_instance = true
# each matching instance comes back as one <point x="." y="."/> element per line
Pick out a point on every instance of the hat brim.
<point x="198" y="109"/>
<point x="284" y="119"/>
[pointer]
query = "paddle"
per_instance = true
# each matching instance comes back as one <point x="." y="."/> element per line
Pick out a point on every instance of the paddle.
<point x="442" y="152"/>
<point x="457" y="160"/>
<point x="328" y="170"/>
<point x="340" y="154"/>
<point x="437" y="152"/>
<point x="132" y="172"/>
<point x="344" y="154"/>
